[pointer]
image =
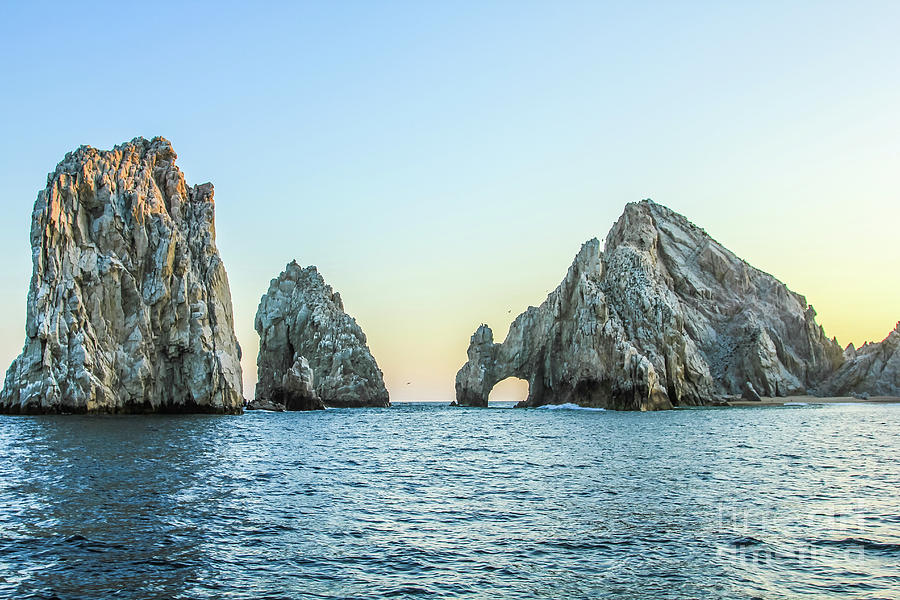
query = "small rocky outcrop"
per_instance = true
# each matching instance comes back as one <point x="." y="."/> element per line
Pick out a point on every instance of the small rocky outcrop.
<point x="663" y="316"/>
<point x="309" y="344"/>
<point x="749" y="393"/>
<point x="295" y="391"/>
<point x="871" y="370"/>
<point x="265" y="404"/>
<point x="129" y="308"/>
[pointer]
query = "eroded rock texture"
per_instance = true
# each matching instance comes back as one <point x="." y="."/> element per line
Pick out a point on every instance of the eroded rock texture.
<point x="663" y="316"/>
<point x="873" y="369"/>
<point x="301" y="319"/>
<point x="294" y="391"/>
<point x="129" y="308"/>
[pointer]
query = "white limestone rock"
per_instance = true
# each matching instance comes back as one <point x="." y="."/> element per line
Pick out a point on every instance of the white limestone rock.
<point x="871" y="370"/>
<point x="302" y="319"/>
<point x="129" y="308"/>
<point x="664" y="316"/>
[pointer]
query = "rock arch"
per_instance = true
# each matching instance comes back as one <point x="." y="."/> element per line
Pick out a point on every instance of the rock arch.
<point x="487" y="366"/>
<point x="511" y="389"/>
<point x="662" y="316"/>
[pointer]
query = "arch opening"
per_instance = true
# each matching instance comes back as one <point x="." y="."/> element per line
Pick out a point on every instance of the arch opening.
<point x="508" y="391"/>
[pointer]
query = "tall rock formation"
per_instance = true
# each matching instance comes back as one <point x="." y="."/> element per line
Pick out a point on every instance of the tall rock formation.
<point x="302" y="320"/>
<point x="873" y="369"/>
<point x="663" y="316"/>
<point x="129" y="308"/>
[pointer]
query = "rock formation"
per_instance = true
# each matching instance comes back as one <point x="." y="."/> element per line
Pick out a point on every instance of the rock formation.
<point x="872" y="370"/>
<point x="129" y="308"/>
<point x="750" y="393"/>
<point x="664" y="316"/>
<point x="294" y="391"/>
<point x="302" y="319"/>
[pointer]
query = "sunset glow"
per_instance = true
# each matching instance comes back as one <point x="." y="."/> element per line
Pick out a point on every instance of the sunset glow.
<point x="448" y="177"/>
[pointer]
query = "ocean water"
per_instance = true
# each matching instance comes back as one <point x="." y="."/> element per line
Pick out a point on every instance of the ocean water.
<point x="427" y="501"/>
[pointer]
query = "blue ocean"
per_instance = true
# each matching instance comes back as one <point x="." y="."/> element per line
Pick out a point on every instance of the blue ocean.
<point x="427" y="501"/>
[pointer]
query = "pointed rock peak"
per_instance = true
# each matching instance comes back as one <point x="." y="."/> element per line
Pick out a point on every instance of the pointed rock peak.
<point x="641" y="222"/>
<point x="636" y="228"/>
<point x="302" y="317"/>
<point x="893" y="336"/>
<point x="159" y="146"/>
<point x="482" y="335"/>
<point x="293" y="272"/>
<point x="589" y="250"/>
<point x="588" y="263"/>
<point x="589" y="255"/>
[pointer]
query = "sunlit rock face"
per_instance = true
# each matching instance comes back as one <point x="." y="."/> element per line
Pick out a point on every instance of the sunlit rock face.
<point x="302" y="325"/>
<point x="872" y="370"/>
<point x="663" y="316"/>
<point x="129" y="308"/>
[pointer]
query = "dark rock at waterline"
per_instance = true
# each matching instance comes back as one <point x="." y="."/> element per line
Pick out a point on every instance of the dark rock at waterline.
<point x="265" y="404"/>
<point x="293" y="392"/>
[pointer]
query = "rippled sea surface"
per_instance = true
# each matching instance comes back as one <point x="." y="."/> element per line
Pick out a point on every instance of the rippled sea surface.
<point x="423" y="500"/>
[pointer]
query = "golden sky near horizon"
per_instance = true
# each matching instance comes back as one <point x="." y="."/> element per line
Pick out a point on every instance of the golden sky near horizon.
<point x="442" y="164"/>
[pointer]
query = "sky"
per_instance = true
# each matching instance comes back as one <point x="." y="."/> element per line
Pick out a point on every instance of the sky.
<point x="442" y="163"/>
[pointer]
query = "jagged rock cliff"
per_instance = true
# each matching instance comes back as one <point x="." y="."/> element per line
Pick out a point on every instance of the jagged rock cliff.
<point x="663" y="316"/>
<point x="129" y="308"/>
<point x="300" y="319"/>
<point x="873" y="369"/>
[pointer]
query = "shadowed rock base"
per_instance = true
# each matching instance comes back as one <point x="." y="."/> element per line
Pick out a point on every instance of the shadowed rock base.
<point x="265" y="404"/>
<point x="294" y="392"/>
<point x="129" y="409"/>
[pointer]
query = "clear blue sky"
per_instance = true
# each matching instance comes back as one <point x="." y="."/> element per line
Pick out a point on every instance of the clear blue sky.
<point x="442" y="163"/>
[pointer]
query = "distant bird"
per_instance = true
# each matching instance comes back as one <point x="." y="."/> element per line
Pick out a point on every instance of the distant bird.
<point x="408" y="382"/>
